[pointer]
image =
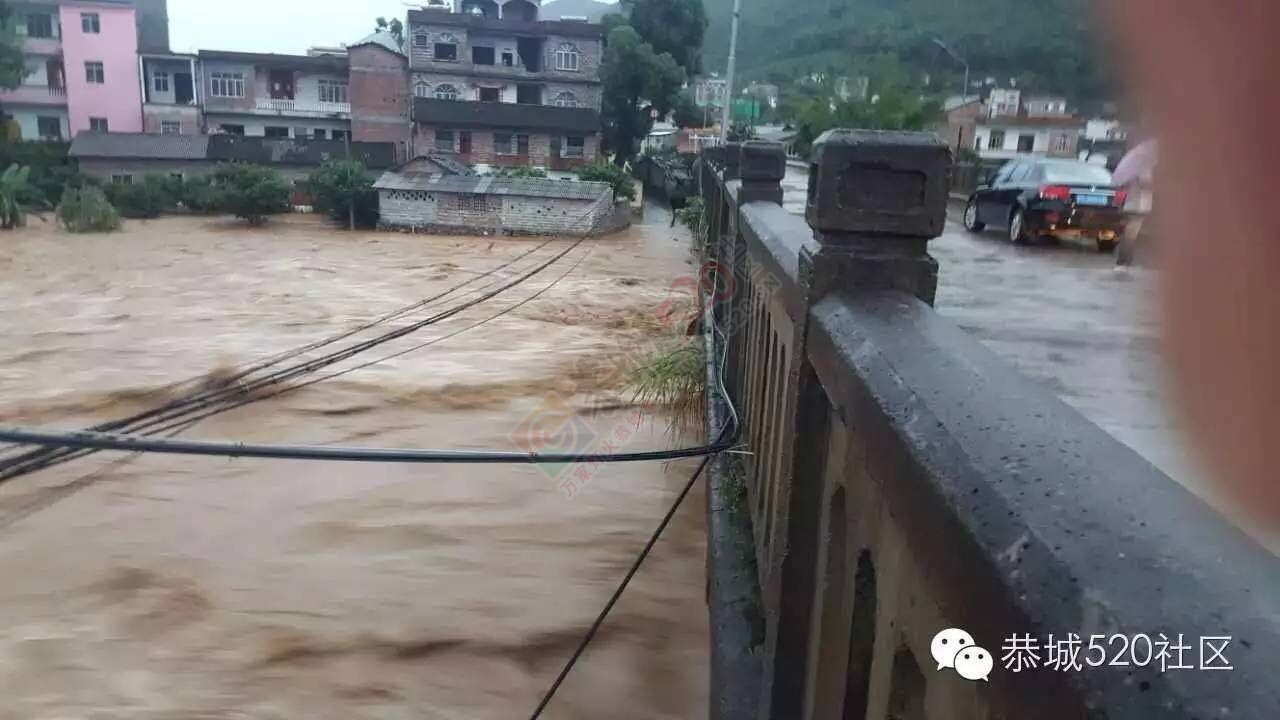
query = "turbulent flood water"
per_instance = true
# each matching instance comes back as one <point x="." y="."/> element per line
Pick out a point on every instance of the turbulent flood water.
<point x="184" y="587"/>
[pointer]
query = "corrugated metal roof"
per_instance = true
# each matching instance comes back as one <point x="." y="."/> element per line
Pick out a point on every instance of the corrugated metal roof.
<point x="491" y="185"/>
<point x="142" y="146"/>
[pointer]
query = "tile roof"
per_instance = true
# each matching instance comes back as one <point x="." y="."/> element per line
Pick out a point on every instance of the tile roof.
<point x="287" y="151"/>
<point x="469" y="113"/>
<point x="139" y="146"/>
<point x="526" y="187"/>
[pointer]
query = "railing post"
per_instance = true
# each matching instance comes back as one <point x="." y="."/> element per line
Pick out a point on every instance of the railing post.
<point x="875" y="199"/>
<point x="761" y="167"/>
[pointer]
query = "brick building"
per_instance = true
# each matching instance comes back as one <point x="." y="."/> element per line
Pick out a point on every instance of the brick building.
<point x="499" y="87"/>
<point x="379" y="92"/>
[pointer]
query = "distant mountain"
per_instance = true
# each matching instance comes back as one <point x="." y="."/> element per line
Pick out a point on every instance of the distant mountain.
<point x="1050" y="46"/>
<point x="592" y="10"/>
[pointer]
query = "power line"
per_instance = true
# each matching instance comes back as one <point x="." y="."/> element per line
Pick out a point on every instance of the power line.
<point x="39" y="459"/>
<point x="31" y="460"/>
<point x="84" y="439"/>
<point x="732" y="430"/>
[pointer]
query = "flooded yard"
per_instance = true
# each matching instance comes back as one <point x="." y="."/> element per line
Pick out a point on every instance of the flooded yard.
<point x="182" y="587"/>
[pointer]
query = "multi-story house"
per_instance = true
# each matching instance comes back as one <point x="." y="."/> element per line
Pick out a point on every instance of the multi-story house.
<point x="499" y="87"/>
<point x="81" y="68"/>
<point x="263" y="94"/>
<point x="170" y="93"/>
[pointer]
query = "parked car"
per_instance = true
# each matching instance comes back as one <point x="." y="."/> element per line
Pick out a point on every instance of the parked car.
<point x="1042" y="197"/>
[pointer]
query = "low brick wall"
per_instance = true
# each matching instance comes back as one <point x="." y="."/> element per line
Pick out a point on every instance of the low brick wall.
<point x="428" y="211"/>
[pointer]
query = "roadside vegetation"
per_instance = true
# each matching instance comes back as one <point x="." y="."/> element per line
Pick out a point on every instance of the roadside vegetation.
<point x="344" y="193"/>
<point x="87" y="210"/>
<point x="624" y="186"/>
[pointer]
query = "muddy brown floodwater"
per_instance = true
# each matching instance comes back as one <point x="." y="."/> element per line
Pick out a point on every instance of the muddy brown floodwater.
<point x="184" y="587"/>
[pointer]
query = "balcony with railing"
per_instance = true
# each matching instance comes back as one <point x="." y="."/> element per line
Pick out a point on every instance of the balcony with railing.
<point x="41" y="45"/>
<point x="34" y="95"/>
<point x="302" y="108"/>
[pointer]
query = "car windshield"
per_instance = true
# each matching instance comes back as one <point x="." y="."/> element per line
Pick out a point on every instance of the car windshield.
<point x="1077" y="173"/>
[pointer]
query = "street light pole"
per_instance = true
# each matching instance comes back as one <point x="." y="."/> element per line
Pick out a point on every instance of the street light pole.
<point x="964" y="91"/>
<point x="728" y="76"/>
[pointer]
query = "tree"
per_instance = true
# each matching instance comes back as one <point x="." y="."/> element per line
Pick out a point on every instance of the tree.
<point x="86" y="209"/>
<point x="15" y="192"/>
<point x="395" y="27"/>
<point x="252" y="192"/>
<point x="342" y="190"/>
<point x="671" y="26"/>
<point x="12" y="67"/>
<point x="630" y="73"/>
<point x="624" y="186"/>
<point x="686" y="113"/>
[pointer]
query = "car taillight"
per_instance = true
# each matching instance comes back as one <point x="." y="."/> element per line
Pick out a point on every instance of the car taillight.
<point x="1055" y="192"/>
<point x="1121" y="196"/>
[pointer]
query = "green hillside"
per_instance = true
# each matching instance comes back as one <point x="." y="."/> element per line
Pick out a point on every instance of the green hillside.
<point x="1048" y="45"/>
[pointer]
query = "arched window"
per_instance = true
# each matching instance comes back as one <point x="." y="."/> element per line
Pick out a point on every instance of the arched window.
<point x="421" y="89"/>
<point x="566" y="99"/>
<point x="567" y="57"/>
<point x="446" y="92"/>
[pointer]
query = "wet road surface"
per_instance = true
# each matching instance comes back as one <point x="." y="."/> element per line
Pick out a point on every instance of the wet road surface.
<point x="181" y="587"/>
<point x="1062" y="315"/>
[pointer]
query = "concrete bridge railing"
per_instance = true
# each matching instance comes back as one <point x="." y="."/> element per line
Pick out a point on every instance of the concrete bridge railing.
<point x="900" y="479"/>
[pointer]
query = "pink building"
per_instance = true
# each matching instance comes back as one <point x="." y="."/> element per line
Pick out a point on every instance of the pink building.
<point x="100" y="57"/>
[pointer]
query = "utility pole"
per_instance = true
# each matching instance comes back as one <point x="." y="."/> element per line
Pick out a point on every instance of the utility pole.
<point x="728" y="76"/>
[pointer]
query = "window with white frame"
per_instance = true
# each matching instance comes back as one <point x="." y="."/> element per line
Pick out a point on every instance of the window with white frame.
<point x="446" y="92"/>
<point x="1061" y="143"/>
<point x="421" y="89"/>
<point x="99" y="124"/>
<point x="566" y="99"/>
<point x="160" y="81"/>
<point x="574" y="146"/>
<point x="170" y="127"/>
<point x="90" y="23"/>
<point x="567" y="57"/>
<point x="226" y="84"/>
<point x="94" y="72"/>
<point x="122" y="179"/>
<point x="333" y="91"/>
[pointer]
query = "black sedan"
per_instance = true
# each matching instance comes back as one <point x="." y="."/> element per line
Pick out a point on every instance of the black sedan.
<point x="1042" y="197"/>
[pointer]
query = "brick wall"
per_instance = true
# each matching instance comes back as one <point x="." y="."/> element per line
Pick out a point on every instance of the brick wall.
<point x="188" y="118"/>
<point x="406" y="208"/>
<point x="587" y="96"/>
<point x="423" y="57"/>
<point x="589" y="52"/>
<point x="416" y="209"/>
<point x="379" y="93"/>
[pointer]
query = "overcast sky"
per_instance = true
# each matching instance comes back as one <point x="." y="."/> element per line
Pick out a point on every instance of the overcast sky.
<point x="282" y="26"/>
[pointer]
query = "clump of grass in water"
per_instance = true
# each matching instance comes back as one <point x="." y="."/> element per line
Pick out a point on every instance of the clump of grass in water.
<point x="675" y="382"/>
